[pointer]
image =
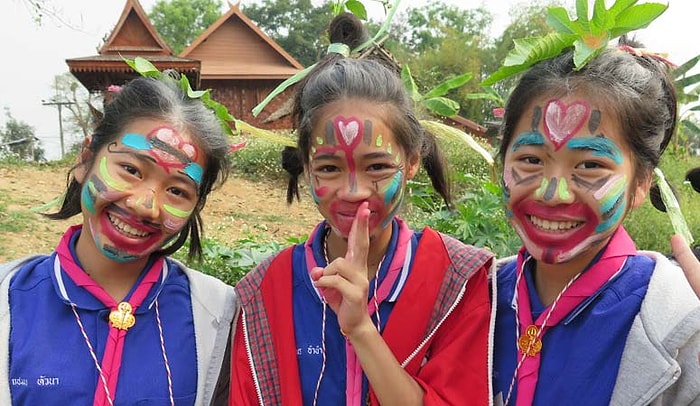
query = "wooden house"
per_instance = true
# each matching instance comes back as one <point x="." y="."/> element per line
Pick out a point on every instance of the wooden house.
<point x="242" y="65"/>
<point x="132" y="36"/>
<point x="233" y="58"/>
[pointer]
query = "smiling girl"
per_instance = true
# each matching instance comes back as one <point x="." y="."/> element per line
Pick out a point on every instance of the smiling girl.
<point x="108" y="318"/>
<point x="367" y="311"/>
<point x="582" y="316"/>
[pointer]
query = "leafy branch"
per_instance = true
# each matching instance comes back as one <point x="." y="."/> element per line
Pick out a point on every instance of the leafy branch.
<point x="588" y="37"/>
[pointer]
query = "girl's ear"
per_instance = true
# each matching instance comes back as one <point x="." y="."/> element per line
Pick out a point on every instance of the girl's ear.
<point x="640" y="192"/>
<point x="82" y="160"/>
<point x="413" y="165"/>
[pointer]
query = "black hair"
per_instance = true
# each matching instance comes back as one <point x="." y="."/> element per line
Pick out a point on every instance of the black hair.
<point x="161" y="99"/>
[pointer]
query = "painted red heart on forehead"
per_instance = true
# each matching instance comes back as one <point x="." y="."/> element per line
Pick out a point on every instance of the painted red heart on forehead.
<point x="562" y="121"/>
<point x="349" y="131"/>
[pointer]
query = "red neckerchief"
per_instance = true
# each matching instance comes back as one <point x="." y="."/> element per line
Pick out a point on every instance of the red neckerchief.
<point x="112" y="359"/>
<point x="618" y="249"/>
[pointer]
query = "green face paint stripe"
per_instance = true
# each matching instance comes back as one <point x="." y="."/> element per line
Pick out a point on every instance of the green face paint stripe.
<point x="563" y="190"/>
<point x="176" y="212"/>
<point x="613" y="194"/>
<point x="113" y="183"/>
<point x="388" y="148"/>
<point x="379" y="141"/>
<point x="542" y="189"/>
<point x="319" y="140"/>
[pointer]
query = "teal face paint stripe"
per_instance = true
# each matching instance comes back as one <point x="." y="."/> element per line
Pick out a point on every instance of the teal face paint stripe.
<point x="195" y="172"/>
<point x="600" y="146"/>
<point x="86" y="196"/>
<point x="614" y="218"/>
<point x="528" y="138"/>
<point x="608" y="203"/>
<point x="393" y="188"/>
<point x="136" y="141"/>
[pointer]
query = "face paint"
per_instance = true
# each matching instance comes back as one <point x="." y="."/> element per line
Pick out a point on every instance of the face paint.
<point x="142" y="191"/>
<point x="562" y="121"/>
<point x="353" y="159"/>
<point x="168" y="149"/>
<point x="566" y="180"/>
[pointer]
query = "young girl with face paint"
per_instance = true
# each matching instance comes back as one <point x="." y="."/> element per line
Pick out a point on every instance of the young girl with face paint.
<point x="582" y="316"/>
<point x="108" y="318"/>
<point x="366" y="311"/>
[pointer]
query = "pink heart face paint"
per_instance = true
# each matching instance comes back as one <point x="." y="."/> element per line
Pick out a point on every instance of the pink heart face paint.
<point x="567" y="176"/>
<point x="141" y="190"/>
<point x="354" y="157"/>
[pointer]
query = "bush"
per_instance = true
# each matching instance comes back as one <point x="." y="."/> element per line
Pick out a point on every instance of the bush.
<point x="259" y="160"/>
<point x="650" y="228"/>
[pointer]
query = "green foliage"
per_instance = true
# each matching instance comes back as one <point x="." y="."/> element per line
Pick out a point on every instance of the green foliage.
<point x="231" y="264"/>
<point x="588" y="35"/>
<point x="179" y="22"/>
<point x="477" y="219"/>
<point x="260" y="159"/>
<point x="650" y="228"/>
<point x="440" y="41"/>
<point x="433" y="101"/>
<point x="17" y="139"/>
<point x="297" y="26"/>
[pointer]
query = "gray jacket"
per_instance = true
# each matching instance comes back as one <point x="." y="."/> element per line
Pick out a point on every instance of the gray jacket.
<point x="661" y="361"/>
<point x="212" y="307"/>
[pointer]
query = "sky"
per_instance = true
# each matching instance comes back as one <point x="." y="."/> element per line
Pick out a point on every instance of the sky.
<point x="33" y="54"/>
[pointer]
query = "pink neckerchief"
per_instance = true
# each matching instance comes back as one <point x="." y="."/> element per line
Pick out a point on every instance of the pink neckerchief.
<point x="610" y="263"/>
<point x="112" y="359"/>
<point x="353" y="388"/>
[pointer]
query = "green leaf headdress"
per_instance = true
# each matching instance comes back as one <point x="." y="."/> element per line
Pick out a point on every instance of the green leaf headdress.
<point x="588" y="37"/>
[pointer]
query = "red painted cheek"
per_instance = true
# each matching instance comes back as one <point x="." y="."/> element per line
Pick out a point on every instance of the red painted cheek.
<point x="321" y="191"/>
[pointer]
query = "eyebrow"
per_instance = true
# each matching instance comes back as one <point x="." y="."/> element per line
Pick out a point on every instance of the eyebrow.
<point x="526" y="139"/>
<point x="600" y="146"/>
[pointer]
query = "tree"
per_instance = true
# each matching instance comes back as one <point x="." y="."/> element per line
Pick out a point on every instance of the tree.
<point x="296" y="25"/>
<point x="17" y="138"/>
<point x="68" y="89"/>
<point x="444" y="41"/>
<point x="179" y="22"/>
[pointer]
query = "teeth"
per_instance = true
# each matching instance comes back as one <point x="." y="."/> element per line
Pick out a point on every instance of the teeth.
<point x="554" y="225"/>
<point x="127" y="229"/>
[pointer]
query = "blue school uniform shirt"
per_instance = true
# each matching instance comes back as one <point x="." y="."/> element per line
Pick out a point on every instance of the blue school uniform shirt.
<point x="581" y="355"/>
<point x="308" y="318"/>
<point x="50" y="362"/>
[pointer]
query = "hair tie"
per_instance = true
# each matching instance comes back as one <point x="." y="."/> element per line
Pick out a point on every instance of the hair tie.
<point x="644" y="52"/>
<point x="339" y="48"/>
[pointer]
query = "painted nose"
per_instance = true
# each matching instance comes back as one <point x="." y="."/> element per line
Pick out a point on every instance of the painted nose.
<point x="354" y="189"/>
<point x="144" y="203"/>
<point x="554" y="191"/>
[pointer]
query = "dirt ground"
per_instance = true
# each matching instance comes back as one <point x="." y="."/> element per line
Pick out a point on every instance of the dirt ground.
<point x="240" y="209"/>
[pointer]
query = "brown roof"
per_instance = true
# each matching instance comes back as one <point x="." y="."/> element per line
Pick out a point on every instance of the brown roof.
<point x="132" y="36"/>
<point x="235" y="48"/>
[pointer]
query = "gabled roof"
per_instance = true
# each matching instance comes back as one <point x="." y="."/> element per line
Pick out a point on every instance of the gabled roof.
<point x="235" y="48"/>
<point x="134" y="33"/>
<point x="132" y="36"/>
